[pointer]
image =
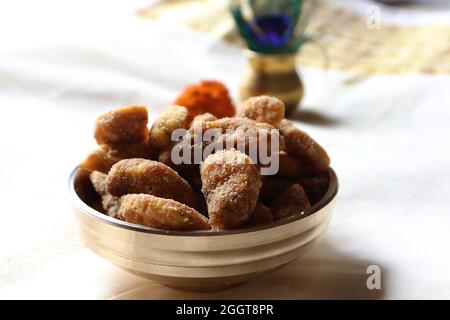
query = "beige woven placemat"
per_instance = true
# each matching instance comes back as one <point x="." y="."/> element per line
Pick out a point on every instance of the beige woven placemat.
<point x="350" y="45"/>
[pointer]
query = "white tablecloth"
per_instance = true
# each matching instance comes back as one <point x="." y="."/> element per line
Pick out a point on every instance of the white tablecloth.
<point x="64" y="63"/>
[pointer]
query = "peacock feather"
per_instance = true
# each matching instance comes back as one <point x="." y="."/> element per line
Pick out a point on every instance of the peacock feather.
<point x="272" y="27"/>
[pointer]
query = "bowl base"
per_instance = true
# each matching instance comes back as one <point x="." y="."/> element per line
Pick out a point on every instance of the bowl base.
<point x="197" y="284"/>
<point x="207" y="289"/>
<point x="203" y="284"/>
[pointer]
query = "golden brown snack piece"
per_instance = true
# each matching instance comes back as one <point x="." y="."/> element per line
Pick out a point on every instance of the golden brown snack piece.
<point x="263" y="109"/>
<point x="247" y="138"/>
<point x="189" y="172"/>
<point x="236" y="127"/>
<point x="261" y="215"/>
<point x="161" y="213"/>
<point x="225" y="125"/>
<point x="109" y="202"/>
<point x="230" y="183"/>
<point x="207" y="96"/>
<point x="300" y="144"/>
<point x="98" y="180"/>
<point x="101" y="159"/>
<point x="122" y="125"/>
<point x="201" y="118"/>
<point x="291" y="202"/>
<point x="291" y="166"/>
<point x="150" y="177"/>
<point x="244" y="134"/>
<point x="230" y="124"/>
<point x="105" y="156"/>
<point x="174" y="117"/>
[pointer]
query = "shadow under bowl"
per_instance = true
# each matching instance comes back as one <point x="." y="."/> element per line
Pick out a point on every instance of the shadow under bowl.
<point x="200" y="260"/>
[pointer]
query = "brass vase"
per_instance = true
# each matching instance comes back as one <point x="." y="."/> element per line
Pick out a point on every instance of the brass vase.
<point x="273" y="75"/>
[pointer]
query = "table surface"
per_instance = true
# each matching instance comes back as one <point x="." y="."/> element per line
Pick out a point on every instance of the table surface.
<point x="388" y="137"/>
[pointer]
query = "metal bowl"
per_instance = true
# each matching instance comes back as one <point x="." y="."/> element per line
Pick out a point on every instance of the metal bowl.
<point x="201" y="260"/>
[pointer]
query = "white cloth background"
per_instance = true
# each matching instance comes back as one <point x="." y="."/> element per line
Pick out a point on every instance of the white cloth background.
<point x="62" y="63"/>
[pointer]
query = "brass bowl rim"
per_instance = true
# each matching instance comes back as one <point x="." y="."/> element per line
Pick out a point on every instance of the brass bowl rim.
<point x="85" y="209"/>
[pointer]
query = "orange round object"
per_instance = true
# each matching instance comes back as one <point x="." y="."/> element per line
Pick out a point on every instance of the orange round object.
<point x="207" y="96"/>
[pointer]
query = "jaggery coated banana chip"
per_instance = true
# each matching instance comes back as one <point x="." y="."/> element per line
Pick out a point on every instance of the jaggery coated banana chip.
<point x="245" y="127"/>
<point x="259" y="140"/>
<point x="230" y="183"/>
<point x="263" y="109"/>
<point x="174" y="117"/>
<point x="122" y="125"/>
<point x="230" y="123"/>
<point x="161" y="213"/>
<point x="246" y="138"/>
<point x="289" y="203"/>
<point x="260" y="216"/>
<point x="109" y="202"/>
<point x="105" y="156"/>
<point x="98" y="180"/>
<point x="189" y="172"/>
<point x="101" y="159"/>
<point x="300" y="144"/>
<point x="150" y="177"/>
<point x="201" y="118"/>
<point x="291" y="166"/>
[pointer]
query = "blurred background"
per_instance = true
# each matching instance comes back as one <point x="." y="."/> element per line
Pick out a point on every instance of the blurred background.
<point x="376" y="96"/>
